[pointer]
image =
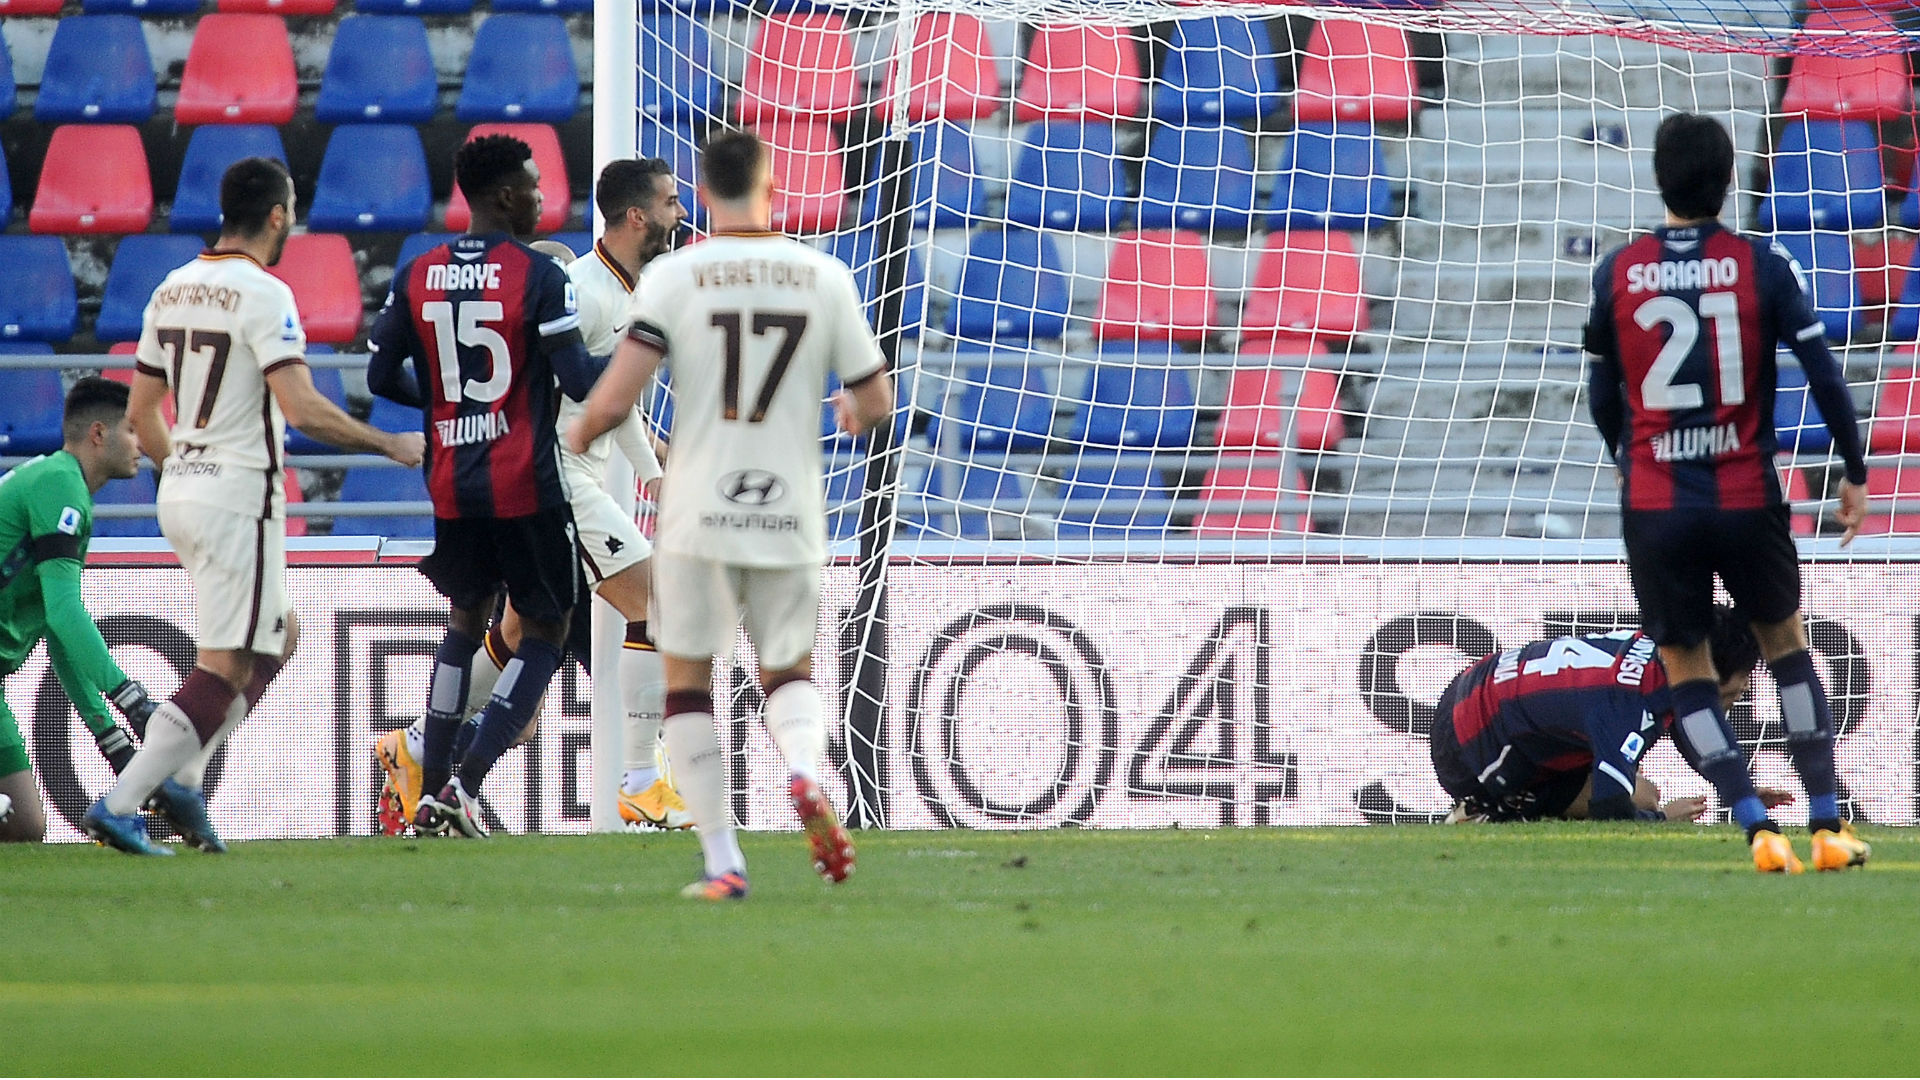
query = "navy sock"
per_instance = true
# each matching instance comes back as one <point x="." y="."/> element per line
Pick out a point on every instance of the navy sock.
<point x="1809" y="722"/>
<point x="522" y="684"/>
<point x="1709" y="744"/>
<point x="463" y="738"/>
<point x="446" y="700"/>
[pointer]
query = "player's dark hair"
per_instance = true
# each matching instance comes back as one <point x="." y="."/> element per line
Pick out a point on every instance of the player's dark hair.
<point x="1731" y="643"/>
<point x="1693" y="164"/>
<point x="249" y="191"/>
<point x="627" y="183"/>
<point x="91" y="399"/>
<point x="730" y="162"/>
<point x="488" y="163"/>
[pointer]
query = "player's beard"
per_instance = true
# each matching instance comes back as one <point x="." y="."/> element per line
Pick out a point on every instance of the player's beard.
<point x="279" y="244"/>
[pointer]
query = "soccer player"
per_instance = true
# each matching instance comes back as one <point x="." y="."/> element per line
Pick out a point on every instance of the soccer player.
<point x="223" y="335"/>
<point x="1681" y="340"/>
<point x="750" y="323"/>
<point x="46" y="522"/>
<point x="489" y="324"/>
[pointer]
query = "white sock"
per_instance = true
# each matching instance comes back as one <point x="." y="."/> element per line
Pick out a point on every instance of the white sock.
<point x="643" y="697"/>
<point x="480" y="686"/>
<point x="793" y="719"/>
<point x="171" y="742"/>
<point x="193" y="773"/>
<point x="417" y="739"/>
<point x="638" y="780"/>
<point x="693" y="748"/>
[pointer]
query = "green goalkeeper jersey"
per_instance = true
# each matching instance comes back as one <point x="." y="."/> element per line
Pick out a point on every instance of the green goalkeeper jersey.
<point x="46" y="523"/>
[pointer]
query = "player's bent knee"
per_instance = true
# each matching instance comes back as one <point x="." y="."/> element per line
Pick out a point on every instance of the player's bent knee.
<point x="293" y="637"/>
<point x="1783" y="638"/>
<point x="28" y="822"/>
<point x="627" y="592"/>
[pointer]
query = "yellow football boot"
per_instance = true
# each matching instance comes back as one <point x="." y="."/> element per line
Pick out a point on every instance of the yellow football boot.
<point x="1773" y="855"/>
<point x="402" y="790"/>
<point x="1839" y="850"/>
<point x="657" y="807"/>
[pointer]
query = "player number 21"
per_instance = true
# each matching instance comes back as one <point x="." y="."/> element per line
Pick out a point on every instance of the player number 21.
<point x="463" y="324"/>
<point x="1658" y="390"/>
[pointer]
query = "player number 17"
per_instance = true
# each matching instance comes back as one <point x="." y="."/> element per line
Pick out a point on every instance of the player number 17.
<point x="790" y="324"/>
<point x="1658" y="390"/>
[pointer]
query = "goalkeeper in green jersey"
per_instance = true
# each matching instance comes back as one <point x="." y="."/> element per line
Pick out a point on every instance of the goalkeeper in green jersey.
<point x="46" y="521"/>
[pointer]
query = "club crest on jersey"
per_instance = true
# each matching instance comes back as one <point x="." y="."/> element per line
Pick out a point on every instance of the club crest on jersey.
<point x="752" y="487"/>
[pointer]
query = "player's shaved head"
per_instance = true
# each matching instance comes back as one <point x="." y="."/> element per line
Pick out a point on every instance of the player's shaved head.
<point x="1693" y="164"/>
<point x="732" y="164"/>
<point x="249" y="191"/>
<point x="489" y="163"/>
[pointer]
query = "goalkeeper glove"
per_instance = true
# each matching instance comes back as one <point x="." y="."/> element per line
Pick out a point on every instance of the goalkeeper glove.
<point x="134" y="704"/>
<point x="115" y="747"/>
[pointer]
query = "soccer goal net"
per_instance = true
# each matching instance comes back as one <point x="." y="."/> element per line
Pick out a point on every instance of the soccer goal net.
<point x="1240" y="383"/>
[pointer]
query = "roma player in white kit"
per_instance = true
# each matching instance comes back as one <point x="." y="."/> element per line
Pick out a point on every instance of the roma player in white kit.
<point x="224" y="337"/>
<point x="751" y="324"/>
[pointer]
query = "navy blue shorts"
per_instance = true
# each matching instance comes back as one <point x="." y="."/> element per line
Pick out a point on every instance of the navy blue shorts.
<point x="1674" y="555"/>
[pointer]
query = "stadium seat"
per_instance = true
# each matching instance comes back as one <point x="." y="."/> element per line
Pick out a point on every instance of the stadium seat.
<point x="6" y="193"/>
<point x="557" y="7"/>
<point x="1078" y="72"/>
<point x="1895" y="426"/>
<point x="678" y="144"/>
<point x="1158" y="288"/>
<point x="138" y="267"/>
<point x="1307" y="286"/>
<point x="1355" y="71"/>
<point x="1318" y="422"/>
<point x="1217" y="70"/>
<point x="1881" y="265"/>
<point x="1827" y="259"/>
<point x="378" y="70"/>
<point x="1197" y="178"/>
<point x="676" y="77"/>
<point x="553" y="176"/>
<point x="1796" y="417"/>
<point x="1259" y="402"/>
<point x="94" y="180"/>
<point x="1897" y="482"/>
<point x="1112" y="497"/>
<point x="140" y="7"/>
<point x="376" y="484"/>
<point x="954" y="74"/>
<point x="413" y="7"/>
<point x="1331" y="176"/>
<point x="1067" y="176"/>
<point x="947" y="192"/>
<point x="1013" y="288"/>
<point x="35" y="397"/>
<point x="1826" y="175"/>
<point x="239" y="71"/>
<point x="419" y="244"/>
<point x="9" y="93"/>
<point x="856" y="249"/>
<point x="809" y="176"/>
<point x="373" y="179"/>
<point x="1001" y="407"/>
<point x="30" y="7"/>
<point x="140" y="491"/>
<point x="521" y="71"/>
<point x="196" y="202"/>
<point x="1233" y="495"/>
<point x="278" y="7"/>
<point x="800" y="67"/>
<point x="319" y="268"/>
<point x="97" y="71"/>
<point x="1133" y="403"/>
<point x="40" y="302"/>
<point x="1800" y="495"/>
<point x="1874" y="88"/>
<point x="984" y="479"/>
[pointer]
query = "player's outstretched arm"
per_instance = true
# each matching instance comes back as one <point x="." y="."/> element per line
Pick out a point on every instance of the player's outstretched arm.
<point x="149" y="427"/>
<point x="616" y="393"/>
<point x="311" y="412"/>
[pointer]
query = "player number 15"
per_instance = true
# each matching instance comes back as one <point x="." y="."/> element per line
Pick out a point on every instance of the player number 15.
<point x="461" y="324"/>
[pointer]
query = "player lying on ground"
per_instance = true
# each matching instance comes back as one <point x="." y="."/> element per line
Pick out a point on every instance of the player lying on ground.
<point x="1682" y="337"/>
<point x="1558" y="728"/>
<point x="46" y="522"/>
<point x="223" y="335"/>
<point x="751" y="323"/>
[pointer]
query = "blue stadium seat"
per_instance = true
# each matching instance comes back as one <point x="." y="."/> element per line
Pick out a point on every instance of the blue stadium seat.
<point x="1197" y="178"/>
<point x="378" y="71"/>
<point x="1910" y="209"/>
<point x="140" y="7"/>
<point x="983" y="479"/>
<point x="558" y="7"/>
<point x="373" y="179"/>
<point x="1826" y="175"/>
<point x="1796" y="416"/>
<point x="521" y="71"/>
<point x="98" y="71"/>
<point x="138" y="267"/>
<point x="1112" y="497"/>
<point x="1827" y="260"/>
<point x="856" y="249"/>
<point x="845" y="475"/>
<point x="196" y="203"/>
<point x="947" y="192"/>
<point x="138" y="491"/>
<point x="1067" y="176"/>
<point x="35" y="397"/>
<point x="375" y="484"/>
<point x="413" y="7"/>
<point x="1001" y="407"/>
<point x="1135" y="406"/>
<point x="676" y="75"/>
<point x="1217" y="70"/>
<point x="418" y="244"/>
<point x="685" y="7"/>
<point x="679" y="145"/>
<point x="39" y="302"/>
<point x="1013" y="288"/>
<point x="6" y="193"/>
<point x="9" y="94"/>
<point x="1331" y="176"/>
<point x="1904" y="323"/>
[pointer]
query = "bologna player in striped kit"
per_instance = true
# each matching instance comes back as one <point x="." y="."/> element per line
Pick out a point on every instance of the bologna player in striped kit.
<point x="1681" y="339"/>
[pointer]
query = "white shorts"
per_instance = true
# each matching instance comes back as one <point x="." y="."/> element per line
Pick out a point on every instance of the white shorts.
<point x="610" y="541"/>
<point x="697" y="607"/>
<point x="238" y="563"/>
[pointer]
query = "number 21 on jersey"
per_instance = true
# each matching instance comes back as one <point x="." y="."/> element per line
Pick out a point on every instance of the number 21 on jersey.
<point x="1722" y="310"/>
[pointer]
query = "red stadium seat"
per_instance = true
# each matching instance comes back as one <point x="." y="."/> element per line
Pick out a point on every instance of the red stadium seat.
<point x="326" y="285"/>
<point x="1895" y="428"/>
<point x="94" y="181"/>
<point x="553" y="176"/>
<point x="296" y="526"/>
<point x="809" y="176"/>
<point x="30" y="7"/>
<point x="239" y="71"/>
<point x="1355" y="71"/>
<point x="1902" y="483"/>
<point x="1880" y="268"/>
<point x="279" y="7"/>
<point x="1158" y="289"/>
<point x="1229" y="488"/>
<point x="953" y="73"/>
<point x="1081" y="72"/>
<point x="1318" y="423"/>
<point x="125" y="375"/>
<point x="800" y="67"/>
<point x="1824" y="86"/>
<point x="1306" y="286"/>
<point x="1255" y="417"/>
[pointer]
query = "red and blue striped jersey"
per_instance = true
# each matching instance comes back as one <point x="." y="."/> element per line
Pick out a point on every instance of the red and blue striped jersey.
<point x="493" y="330"/>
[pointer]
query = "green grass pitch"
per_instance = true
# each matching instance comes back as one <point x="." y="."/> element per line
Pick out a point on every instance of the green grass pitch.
<point x="1514" y="950"/>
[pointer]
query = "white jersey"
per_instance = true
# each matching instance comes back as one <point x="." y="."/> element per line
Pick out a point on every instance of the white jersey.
<point x="605" y="293"/>
<point x="751" y="325"/>
<point x="214" y="330"/>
